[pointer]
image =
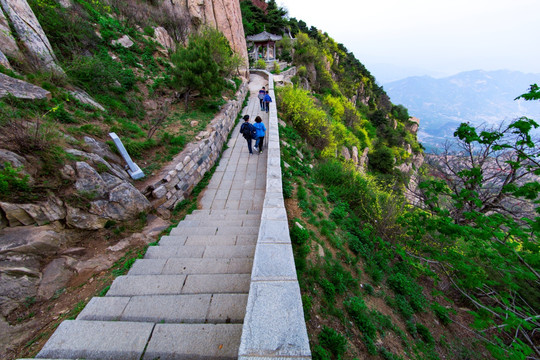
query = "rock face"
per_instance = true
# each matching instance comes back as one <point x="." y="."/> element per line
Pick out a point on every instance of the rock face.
<point x="8" y="45"/>
<point x="414" y="124"/>
<point x="31" y="34"/>
<point x="4" y="61"/>
<point x="124" y="41"/>
<point x="164" y="39"/>
<point x="224" y="15"/>
<point x="21" y="89"/>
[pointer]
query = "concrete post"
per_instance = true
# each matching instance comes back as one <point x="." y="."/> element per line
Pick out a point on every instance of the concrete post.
<point x="134" y="171"/>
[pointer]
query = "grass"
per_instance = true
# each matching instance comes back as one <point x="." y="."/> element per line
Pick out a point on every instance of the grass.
<point x="326" y="200"/>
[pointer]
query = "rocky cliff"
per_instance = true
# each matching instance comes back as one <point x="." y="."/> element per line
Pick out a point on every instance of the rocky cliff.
<point x="223" y="14"/>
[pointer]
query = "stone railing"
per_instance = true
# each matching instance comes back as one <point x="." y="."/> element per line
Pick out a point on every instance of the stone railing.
<point x="176" y="182"/>
<point x="274" y="325"/>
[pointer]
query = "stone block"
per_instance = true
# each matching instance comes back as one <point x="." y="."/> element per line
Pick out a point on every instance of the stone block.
<point x="216" y="283"/>
<point x="227" y="308"/>
<point x="275" y="232"/>
<point x="229" y="252"/>
<point x="159" y="192"/>
<point x="273" y="262"/>
<point x="194" y="341"/>
<point x="79" y="339"/>
<point x="274" y="325"/>
<point x="168" y="308"/>
<point x="146" y="285"/>
<point x="147" y="267"/>
<point x="104" y="308"/>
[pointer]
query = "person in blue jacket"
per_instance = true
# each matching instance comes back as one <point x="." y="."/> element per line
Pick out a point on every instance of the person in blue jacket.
<point x="248" y="132"/>
<point x="267" y="101"/>
<point x="260" y="133"/>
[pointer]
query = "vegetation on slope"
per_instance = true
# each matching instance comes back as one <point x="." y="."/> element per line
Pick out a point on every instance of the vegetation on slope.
<point x="454" y="278"/>
<point x="138" y="87"/>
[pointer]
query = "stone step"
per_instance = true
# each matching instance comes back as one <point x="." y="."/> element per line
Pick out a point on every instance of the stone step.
<point x="178" y="240"/>
<point x="215" y="213"/>
<point x="216" y="230"/>
<point x="201" y="308"/>
<point x="194" y="342"/>
<point x="79" y="339"/>
<point x="221" y="217"/>
<point x="185" y="266"/>
<point x="200" y="251"/>
<point x="213" y="222"/>
<point x="144" y="285"/>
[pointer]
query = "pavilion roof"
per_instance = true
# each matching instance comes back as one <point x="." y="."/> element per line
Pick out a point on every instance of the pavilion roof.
<point x="264" y="36"/>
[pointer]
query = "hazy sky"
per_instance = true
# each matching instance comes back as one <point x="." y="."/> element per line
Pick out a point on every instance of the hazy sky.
<point x="436" y="36"/>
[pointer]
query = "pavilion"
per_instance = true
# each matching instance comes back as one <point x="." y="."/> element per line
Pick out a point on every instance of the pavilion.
<point x="264" y="45"/>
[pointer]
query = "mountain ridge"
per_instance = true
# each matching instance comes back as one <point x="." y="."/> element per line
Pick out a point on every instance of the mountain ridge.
<point x="476" y="96"/>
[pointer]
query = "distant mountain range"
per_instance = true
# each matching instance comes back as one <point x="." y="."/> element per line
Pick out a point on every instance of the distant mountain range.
<point x="478" y="97"/>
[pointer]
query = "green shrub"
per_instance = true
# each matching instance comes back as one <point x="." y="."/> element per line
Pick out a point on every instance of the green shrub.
<point x="333" y="341"/>
<point x="260" y="64"/>
<point x="425" y="334"/>
<point x="11" y="180"/>
<point x="404" y="285"/>
<point x="277" y="70"/>
<point x="441" y="312"/>
<point x="318" y="352"/>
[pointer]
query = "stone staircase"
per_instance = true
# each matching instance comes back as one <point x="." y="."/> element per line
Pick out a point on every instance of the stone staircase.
<point x="185" y="300"/>
<point x="222" y="285"/>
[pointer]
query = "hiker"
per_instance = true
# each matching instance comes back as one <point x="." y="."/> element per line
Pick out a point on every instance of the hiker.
<point x="262" y="92"/>
<point x="267" y="101"/>
<point x="248" y="132"/>
<point x="261" y="131"/>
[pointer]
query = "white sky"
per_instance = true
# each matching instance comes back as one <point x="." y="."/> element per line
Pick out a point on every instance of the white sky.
<point x="438" y="36"/>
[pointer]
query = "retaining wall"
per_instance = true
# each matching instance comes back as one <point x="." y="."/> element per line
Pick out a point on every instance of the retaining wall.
<point x="274" y="325"/>
<point x="176" y="182"/>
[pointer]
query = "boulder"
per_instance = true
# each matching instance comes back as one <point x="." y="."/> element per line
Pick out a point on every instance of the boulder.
<point x="115" y="169"/>
<point x="102" y="149"/>
<point x="31" y="34"/>
<point x="40" y="213"/>
<point x="16" y="161"/>
<point x="163" y="38"/>
<point x="345" y="153"/>
<point x="55" y="277"/>
<point x="355" y="155"/>
<point x="67" y="172"/>
<point x="125" y="203"/>
<point x="124" y="41"/>
<point x="8" y="44"/>
<point x="40" y="241"/>
<point x="89" y="180"/>
<point x="80" y="219"/>
<point x="21" y="89"/>
<point x="363" y="161"/>
<point x="66" y="4"/>
<point x="84" y="98"/>
<point x="15" y="289"/>
<point x="15" y="215"/>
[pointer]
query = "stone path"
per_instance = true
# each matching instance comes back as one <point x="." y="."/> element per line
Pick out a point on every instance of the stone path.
<point x="187" y="298"/>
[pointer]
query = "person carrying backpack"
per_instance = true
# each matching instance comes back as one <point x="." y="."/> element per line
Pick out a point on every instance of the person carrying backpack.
<point x="261" y="131"/>
<point x="267" y="101"/>
<point x="262" y="92"/>
<point x="248" y="132"/>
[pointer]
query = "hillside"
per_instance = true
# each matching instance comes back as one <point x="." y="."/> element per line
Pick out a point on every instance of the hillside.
<point x="477" y="97"/>
<point x="395" y="259"/>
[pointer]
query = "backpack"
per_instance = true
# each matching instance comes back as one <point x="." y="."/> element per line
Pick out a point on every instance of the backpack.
<point x="246" y="131"/>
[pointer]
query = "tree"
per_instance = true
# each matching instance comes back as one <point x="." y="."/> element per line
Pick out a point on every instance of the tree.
<point x="203" y="65"/>
<point x="480" y="227"/>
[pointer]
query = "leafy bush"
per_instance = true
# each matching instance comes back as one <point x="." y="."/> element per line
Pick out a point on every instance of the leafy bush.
<point x="11" y="180"/>
<point x="260" y="64"/>
<point x="333" y="341"/>
<point x="406" y="286"/>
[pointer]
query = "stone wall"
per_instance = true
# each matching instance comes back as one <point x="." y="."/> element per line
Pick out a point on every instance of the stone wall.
<point x="274" y="325"/>
<point x="177" y="181"/>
